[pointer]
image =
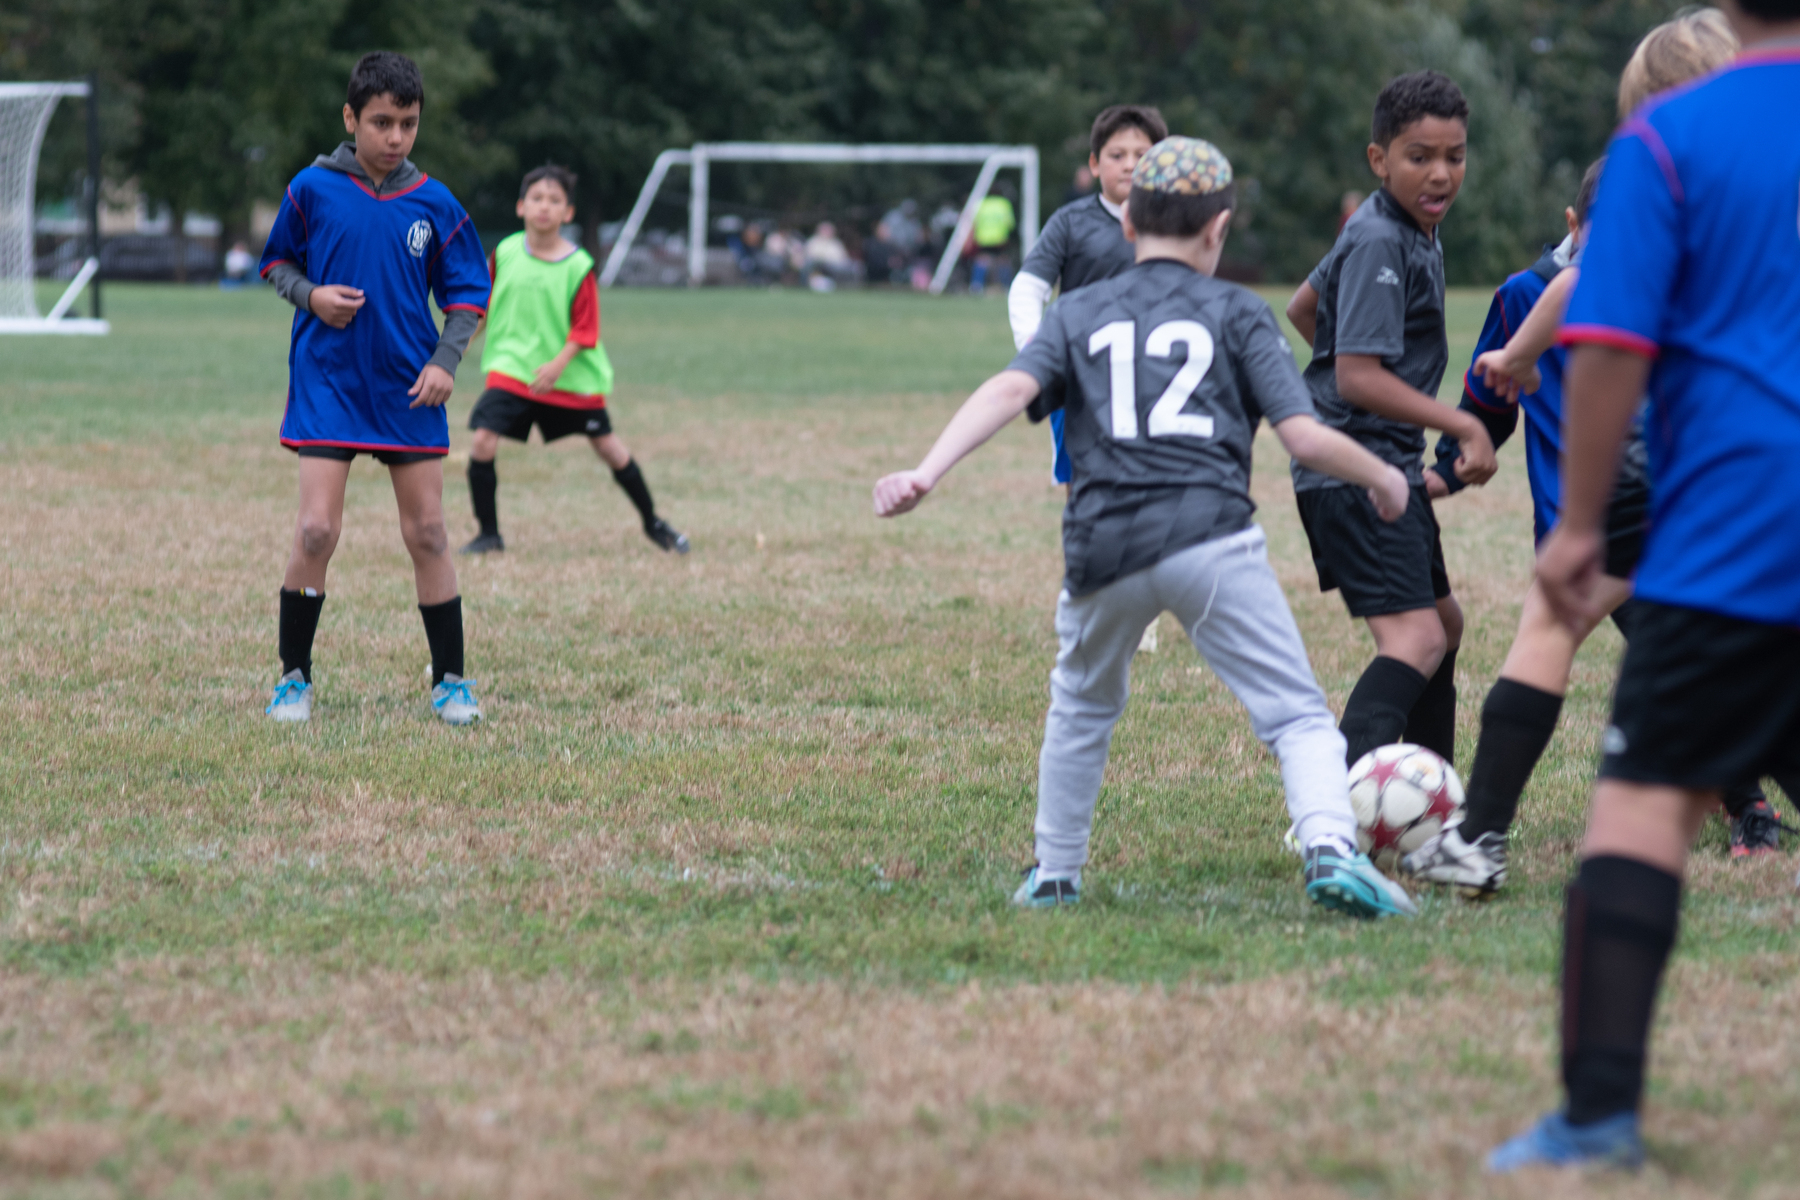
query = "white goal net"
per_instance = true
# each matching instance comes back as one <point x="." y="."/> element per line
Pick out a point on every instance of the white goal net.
<point x="25" y="110"/>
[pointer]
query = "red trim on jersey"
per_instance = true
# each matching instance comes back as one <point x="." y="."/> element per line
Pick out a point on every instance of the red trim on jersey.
<point x="296" y="443"/>
<point x="584" y="313"/>
<point x="493" y="270"/>
<point x="1606" y="335"/>
<point x="370" y="192"/>
<point x="304" y="228"/>
<point x="501" y="381"/>
<point x="474" y="308"/>
<point x="444" y="243"/>
<point x="265" y="271"/>
<point x="1646" y="133"/>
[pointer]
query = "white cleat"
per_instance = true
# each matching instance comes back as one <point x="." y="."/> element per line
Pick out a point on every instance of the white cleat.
<point x="1477" y="870"/>
<point x="454" y="701"/>
<point x="293" y="698"/>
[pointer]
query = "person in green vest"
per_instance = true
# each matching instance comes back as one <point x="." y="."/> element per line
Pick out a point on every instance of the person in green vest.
<point x="543" y="358"/>
<point x="994" y="225"/>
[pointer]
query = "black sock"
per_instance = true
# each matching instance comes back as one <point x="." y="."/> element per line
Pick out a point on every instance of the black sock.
<point x="299" y="621"/>
<point x="1517" y="723"/>
<point x="1376" y="712"/>
<point x="1737" y="799"/>
<point x="1617" y="934"/>
<point x="483" y="483"/>
<point x="632" y="480"/>
<point x="444" y="632"/>
<point x="1432" y="722"/>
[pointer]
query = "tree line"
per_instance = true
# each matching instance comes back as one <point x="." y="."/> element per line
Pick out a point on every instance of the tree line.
<point x="210" y="105"/>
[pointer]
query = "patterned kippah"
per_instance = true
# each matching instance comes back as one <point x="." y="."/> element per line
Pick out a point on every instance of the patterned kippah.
<point x="1184" y="166"/>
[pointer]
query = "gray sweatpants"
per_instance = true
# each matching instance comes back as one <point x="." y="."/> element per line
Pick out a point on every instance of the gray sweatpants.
<point x="1229" y="601"/>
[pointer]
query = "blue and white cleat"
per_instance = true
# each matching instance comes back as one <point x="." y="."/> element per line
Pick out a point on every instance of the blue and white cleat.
<point x="293" y="698"/>
<point x="454" y="701"/>
<point x="1350" y="884"/>
<point x="1613" y="1144"/>
<point x="1045" y="893"/>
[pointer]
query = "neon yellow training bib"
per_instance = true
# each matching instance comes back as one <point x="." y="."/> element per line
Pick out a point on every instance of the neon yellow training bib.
<point x="529" y="321"/>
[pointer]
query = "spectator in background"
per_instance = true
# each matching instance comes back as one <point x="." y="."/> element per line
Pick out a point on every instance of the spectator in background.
<point x="994" y="225"/>
<point x="1081" y="185"/>
<point x="240" y="267"/>
<point x="828" y="263"/>
<point x="1347" y="207"/>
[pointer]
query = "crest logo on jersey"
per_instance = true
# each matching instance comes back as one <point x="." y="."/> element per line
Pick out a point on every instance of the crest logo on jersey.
<point x="1385" y="275"/>
<point x="418" y="237"/>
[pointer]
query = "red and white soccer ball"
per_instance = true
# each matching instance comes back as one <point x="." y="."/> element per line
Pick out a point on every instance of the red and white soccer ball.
<point x="1403" y="795"/>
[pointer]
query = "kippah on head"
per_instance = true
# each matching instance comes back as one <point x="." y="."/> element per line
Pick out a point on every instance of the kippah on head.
<point x="1183" y="166"/>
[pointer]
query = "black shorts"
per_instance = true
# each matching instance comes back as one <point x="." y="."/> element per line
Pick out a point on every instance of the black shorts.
<point x="1704" y="701"/>
<point x="387" y="458"/>
<point x="1381" y="568"/>
<point x="1628" y="511"/>
<point x="513" y="416"/>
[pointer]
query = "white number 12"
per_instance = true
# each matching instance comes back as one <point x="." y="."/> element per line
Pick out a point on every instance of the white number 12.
<point x="1119" y="339"/>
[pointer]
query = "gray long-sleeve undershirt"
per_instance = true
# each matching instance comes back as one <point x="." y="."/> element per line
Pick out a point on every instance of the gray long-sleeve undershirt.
<point x="292" y="285"/>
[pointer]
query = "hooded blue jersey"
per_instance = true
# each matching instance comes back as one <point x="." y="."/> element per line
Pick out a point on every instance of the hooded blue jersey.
<point x="1694" y="262"/>
<point x="347" y="387"/>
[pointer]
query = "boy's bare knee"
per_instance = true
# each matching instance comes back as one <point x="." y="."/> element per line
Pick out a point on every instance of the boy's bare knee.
<point x="427" y="539"/>
<point x="318" y="537"/>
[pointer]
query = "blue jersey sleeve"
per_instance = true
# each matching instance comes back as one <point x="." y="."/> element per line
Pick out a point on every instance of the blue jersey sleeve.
<point x="1632" y="260"/>
<point x="459" y="271"/>
<point x="1499" y="415"/>
<point x="287" y="240"/>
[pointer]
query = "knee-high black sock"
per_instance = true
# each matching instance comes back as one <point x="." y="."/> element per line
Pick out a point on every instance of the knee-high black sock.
<point x="1432" y="722"/>
<point x="299" y="621"/>
<point x="631" y="480"/>
<point x="1378" y="706"/>
<point x="1517" y="723"/>
<point x="484" y="482"/>
<point x="444" y="632"/>
<point x="1617" y="934"/>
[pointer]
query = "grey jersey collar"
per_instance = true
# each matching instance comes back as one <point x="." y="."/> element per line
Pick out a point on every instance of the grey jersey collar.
<point x="343" y="160"/>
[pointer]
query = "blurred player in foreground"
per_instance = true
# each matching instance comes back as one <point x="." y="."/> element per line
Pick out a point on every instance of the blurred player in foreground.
<point x="1690" y="286"/>
<point x="364" y="228"/>
<point x="544" y="361"/>
<point x="1084" y="242"/>
<point x="1160" y="516"/>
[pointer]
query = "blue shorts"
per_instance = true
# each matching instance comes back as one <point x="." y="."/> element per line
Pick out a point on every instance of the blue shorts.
<point x="1060" y="469"/>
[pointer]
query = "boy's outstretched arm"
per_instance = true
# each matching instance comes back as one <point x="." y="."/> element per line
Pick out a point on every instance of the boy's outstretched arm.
<point x="1512" y="370"/>
<point x="982" y="415"/>
<point x="1364" y="382"/>
<point x="1323" y="448"/>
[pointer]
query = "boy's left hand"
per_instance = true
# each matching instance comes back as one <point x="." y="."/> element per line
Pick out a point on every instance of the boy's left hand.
<point x="900" y="493"/>
<point x="432" y="388"/>
<point x="545" y="378"/>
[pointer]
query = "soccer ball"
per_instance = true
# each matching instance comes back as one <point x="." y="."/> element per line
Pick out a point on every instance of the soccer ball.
<point x="1403" y="795"/>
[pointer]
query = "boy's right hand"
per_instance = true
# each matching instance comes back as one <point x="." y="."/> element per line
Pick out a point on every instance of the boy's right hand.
<point x="1391" y="495"/>
<point x="1507" y="379"/>
<point x="1477" y="464"/>
<point x="900" y="493"/>
<point x="335" y="303"/>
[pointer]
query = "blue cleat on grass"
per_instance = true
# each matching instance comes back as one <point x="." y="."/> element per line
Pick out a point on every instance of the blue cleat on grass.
<point x="1350" y="883"/>
<point x="1045" y="893"/>
<point x="292" y="701"/>
<point x="1613" y="1143"/>
<point x="454" y="701"/>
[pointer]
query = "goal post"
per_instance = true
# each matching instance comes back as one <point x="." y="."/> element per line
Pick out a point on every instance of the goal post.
<point x="25" y="110"/>
<point x="700" y="157"/>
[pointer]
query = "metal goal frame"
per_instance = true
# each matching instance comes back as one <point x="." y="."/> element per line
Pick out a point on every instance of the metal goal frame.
<point x="55" y="320"/>
<point x="699" y="158"/>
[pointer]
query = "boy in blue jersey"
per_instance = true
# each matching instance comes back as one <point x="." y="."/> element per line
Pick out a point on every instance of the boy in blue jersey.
<point x="1690" y="287"/>
<point x="361" y="245"/>
<point x="1083" y="242"/>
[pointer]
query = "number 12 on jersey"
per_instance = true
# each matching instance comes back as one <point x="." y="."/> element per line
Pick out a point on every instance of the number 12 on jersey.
<point x="1119" y="339"/>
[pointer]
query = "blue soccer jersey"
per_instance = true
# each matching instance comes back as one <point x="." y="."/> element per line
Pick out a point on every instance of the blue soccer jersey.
<point x="1694" y="261"/>
<point x="1543" y="408"/>
<point x="347" y="387"/>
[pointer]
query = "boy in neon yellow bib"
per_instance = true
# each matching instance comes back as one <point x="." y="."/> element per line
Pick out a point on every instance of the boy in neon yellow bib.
<point x="544" y="361"/>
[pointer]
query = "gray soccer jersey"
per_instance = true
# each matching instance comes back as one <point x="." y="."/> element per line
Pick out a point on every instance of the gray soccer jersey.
<point x="1381" y="292"/>
<point x="1082" y="243"/>
<point x="1163" y="374"/>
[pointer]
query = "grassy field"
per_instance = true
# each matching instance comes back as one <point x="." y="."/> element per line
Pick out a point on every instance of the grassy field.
<point x="714" y="902"/>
